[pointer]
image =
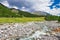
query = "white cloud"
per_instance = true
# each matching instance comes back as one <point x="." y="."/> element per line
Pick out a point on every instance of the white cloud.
<point x="15" y="7"/>
<point x="5" y="3"/>
<point x="52" y="11"/>
<point x="42" y="5"/>
<point x="24" y="9"/>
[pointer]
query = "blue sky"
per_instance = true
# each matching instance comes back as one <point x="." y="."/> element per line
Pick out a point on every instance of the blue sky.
<point x="55" y="4"/>
<point x="50" y="6"/>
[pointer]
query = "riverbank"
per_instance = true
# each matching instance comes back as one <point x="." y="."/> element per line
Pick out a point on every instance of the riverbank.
<point x="10" y="31"/>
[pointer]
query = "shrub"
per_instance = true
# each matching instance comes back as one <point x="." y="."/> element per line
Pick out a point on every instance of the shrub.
<point x="51" y="17"/>
<point x="59" y="19"/>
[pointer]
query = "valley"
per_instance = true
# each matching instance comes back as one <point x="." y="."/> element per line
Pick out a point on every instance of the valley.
<point x="21" y="25"/>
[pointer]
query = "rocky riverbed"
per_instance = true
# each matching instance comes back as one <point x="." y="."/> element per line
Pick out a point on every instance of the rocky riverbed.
<point x="30" y="31"/>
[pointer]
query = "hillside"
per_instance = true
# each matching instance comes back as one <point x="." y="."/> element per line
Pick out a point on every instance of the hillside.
<point x="7" y="12"/>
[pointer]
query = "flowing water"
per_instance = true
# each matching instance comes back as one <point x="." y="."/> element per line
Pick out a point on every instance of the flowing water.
<point x="37" y="34"/>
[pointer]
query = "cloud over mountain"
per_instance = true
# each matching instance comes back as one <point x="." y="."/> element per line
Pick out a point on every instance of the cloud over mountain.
<point x="50" y="6"/>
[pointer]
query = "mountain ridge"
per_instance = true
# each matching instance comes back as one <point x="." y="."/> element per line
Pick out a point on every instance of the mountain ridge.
<point x="12" y="12"/>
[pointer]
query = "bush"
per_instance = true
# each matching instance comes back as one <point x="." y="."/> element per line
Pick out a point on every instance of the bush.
<point x="59" y="19"/>
<point x="51" y="17"/>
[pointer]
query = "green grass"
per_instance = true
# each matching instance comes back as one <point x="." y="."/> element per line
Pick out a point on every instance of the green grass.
<point x="18" y="20"/>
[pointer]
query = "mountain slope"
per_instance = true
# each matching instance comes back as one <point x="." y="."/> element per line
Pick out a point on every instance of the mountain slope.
<point x="6" y="12"/>
<point x="41" y="13"/>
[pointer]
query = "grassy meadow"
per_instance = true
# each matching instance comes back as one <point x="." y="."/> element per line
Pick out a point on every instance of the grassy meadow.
<point x="18" y="20"/>
<point x="12" y="15"/>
